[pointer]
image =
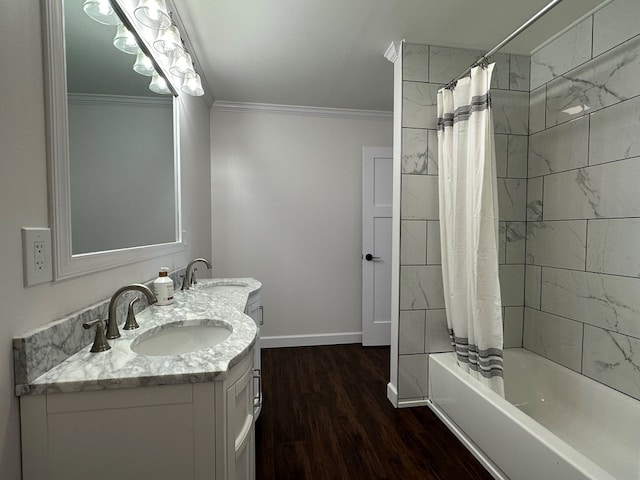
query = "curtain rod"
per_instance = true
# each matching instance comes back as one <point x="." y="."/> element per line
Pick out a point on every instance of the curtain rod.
<point x="517" y="32"/>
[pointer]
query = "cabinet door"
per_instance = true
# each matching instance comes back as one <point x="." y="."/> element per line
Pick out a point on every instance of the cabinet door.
<point x="122" y="434"/>
<point x="240" y="433"/>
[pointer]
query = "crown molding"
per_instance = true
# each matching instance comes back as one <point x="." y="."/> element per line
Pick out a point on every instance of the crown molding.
<point x="393" y="51"/>
<point x="98" y="99"/>
<point x="243" y="107"/>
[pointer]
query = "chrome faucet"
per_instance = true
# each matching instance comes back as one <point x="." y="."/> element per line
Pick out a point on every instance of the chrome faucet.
<point x="188" y="277"/>
<point x="112" y="321"/>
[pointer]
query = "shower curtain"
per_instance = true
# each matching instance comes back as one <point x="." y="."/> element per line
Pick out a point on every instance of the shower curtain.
<point x="469" y="226"/>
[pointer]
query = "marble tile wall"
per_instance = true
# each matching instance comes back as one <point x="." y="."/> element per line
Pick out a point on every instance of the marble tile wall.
<point x="582" y="278"/>
<point x="422" y="325"/>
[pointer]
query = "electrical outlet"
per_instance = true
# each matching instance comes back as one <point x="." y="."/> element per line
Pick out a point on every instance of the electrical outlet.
<point x="36" y="255"/>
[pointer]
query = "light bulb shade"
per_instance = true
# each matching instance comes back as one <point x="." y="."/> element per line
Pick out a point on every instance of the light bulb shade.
<point x="168" y="41"/>
<point x="153" y="14"/>
<point x="181" y="64"/>
<point x="143" y="65"/>
<point x="192" y="85"/>
<point x="101" y="11"/>
<point x="125" y="41"/>
<point x="159" y="85"/>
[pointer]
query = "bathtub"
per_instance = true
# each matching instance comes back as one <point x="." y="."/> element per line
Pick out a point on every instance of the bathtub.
<point x="554" y="423"/>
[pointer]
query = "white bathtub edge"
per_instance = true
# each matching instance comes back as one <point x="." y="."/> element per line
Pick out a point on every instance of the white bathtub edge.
<point x="541" y="438"/>
<point x="485" y="461"/>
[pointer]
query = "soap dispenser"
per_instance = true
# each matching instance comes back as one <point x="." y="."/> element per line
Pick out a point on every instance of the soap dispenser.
<point x="163" y="287"/>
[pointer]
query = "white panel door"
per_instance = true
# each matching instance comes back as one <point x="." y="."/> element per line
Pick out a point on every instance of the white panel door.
<point x="377" y="200"/>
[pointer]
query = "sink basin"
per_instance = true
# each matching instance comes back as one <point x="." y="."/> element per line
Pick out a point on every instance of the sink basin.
<point x="220" y="284"/>
<point x="181" y="337"/>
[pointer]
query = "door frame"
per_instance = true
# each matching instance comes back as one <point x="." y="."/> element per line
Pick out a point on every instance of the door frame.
<point x="369" y="154"/>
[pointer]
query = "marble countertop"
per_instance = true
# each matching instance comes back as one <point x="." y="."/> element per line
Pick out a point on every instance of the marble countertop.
<point x="121" y="367"/>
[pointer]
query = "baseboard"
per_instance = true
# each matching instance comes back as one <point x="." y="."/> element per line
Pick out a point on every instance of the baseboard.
<point x="420" y="402"/>
<point x="392" y="394"/>
<point x="486" y="462"/>
<point x="310" y="340"/>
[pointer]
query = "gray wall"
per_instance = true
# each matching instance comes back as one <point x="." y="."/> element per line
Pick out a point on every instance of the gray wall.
<point x="583" y="261"/>
<point x="287" y="210"/>
<point x="24" y="202"/>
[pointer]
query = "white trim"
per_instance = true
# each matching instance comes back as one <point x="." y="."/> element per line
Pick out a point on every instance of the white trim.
<point x="486" y="462"/>
<point x="243" y="107"/>
<point x="395" y="218"/>
<point x="569" y="27"/>
<point x="56" y="121"/>
<point x="414" y="402"/>
<point x="393" y="51"/>
<point x="392" y="394"/>
<point x="310" y="340"/>
<point x="96" y="99"/>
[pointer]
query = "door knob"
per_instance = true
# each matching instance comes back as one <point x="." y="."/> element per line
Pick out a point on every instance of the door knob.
<point x="368" y="257"/>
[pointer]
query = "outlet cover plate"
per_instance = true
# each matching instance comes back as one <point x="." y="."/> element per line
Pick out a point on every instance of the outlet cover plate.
<point x="36" y="256"/>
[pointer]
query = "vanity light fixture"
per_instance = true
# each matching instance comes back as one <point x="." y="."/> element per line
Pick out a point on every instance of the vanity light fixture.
<point x="181" y="64"/>
<point x="168" y="41"/>
<point x="149" y="31"/>
<point x="192" y="85"/>
<point x="125" y="41"/>
<point x="101" y="11"/>
<point x="159" y="85"/>
<point x="153" y="14"/>
<point x="143" y="65"/>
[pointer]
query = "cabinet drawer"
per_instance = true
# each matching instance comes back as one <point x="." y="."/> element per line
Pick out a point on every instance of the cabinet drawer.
<point x="119" y="398"/>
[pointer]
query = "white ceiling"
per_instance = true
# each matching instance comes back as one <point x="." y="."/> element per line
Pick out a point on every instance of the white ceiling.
<point x="329" y="53"/>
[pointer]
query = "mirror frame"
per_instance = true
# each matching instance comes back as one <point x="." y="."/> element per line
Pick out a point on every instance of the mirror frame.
<point x="67" y="265"/>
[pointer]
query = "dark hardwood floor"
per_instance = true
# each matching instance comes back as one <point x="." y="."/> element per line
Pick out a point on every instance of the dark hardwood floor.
<point x="326" y="416"/>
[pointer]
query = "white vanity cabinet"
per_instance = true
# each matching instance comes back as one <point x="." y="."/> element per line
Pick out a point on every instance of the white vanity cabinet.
<point x="255" y="311"/>
<point x="199" y="431"/>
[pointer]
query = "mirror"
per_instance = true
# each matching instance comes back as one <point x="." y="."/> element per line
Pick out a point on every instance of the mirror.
<point x="113" y="149"/>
